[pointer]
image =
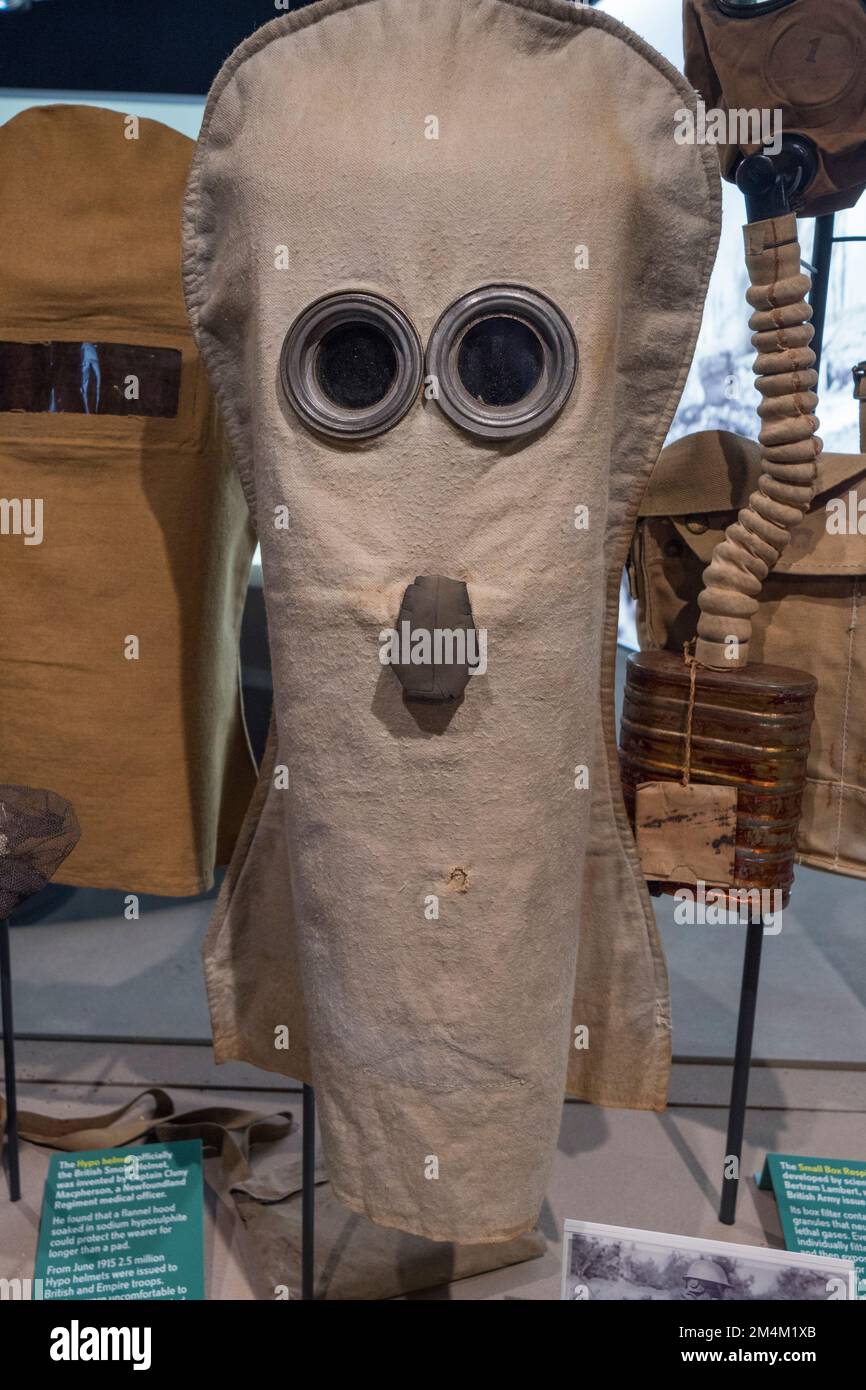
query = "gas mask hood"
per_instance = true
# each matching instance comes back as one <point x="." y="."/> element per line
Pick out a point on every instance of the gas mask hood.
<point x="446" y="264"/>
<point x="803" y="59"/>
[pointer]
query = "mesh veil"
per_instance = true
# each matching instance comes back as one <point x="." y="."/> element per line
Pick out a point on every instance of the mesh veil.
<point x="38" y="829"/>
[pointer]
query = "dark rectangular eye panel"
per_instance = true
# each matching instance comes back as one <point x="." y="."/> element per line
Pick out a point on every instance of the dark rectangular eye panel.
<point x="751" y="7"/>
<point x="83" y="378"/>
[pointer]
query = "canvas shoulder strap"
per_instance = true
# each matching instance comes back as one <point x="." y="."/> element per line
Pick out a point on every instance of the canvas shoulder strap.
<point x="223" y="1130"/>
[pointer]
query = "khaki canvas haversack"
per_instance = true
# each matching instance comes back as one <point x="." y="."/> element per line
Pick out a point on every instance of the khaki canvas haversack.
<point x="811" y="611"/>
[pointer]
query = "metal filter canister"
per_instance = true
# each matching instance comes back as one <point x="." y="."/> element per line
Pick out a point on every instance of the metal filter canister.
<point x="750" y="730"/>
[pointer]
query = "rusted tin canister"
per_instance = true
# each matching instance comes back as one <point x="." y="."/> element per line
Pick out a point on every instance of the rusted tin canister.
<point x="750" y="730"/>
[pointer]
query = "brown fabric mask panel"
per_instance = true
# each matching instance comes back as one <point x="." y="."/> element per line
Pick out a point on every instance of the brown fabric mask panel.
<point x="806" y="58"/>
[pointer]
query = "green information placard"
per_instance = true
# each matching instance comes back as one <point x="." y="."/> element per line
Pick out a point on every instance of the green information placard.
<point x="123" y="1224"/>
<point x="822" y="1205"/>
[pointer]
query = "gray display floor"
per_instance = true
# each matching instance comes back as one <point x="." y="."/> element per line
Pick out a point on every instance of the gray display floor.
<point x="656" y="1172"/>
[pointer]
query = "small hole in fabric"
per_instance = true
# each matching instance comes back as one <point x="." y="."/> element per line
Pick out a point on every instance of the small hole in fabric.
<point x="458" y="880"/>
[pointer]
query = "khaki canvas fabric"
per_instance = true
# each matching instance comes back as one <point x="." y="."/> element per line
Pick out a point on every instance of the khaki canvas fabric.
<point x="146" y="533"/>
<point x="439" y="1047"/>
<point x="811" y="611"/>
<point x="806" y="59"/>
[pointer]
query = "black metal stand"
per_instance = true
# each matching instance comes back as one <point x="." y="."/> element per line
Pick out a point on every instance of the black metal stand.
<point x="13" y="1159"/>
<point x="742" y="1068"/>
<point x="308" y="1198"/>
<point x="822" y="255"/>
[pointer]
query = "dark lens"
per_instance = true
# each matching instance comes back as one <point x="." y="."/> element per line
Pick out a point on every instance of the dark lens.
<point x="500" y="361"/>
<point x="504" y="359"/>
<point x="356" y="365"/>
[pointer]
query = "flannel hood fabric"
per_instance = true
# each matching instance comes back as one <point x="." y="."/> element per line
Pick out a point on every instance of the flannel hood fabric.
<point x="418" y="888"/>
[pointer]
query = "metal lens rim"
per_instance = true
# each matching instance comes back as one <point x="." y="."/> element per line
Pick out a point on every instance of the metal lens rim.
<point x="546" y="399"/>
<point x="299" y="355"/>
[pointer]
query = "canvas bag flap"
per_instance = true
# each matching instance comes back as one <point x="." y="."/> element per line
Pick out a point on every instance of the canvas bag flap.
<point x="703" y="478"/>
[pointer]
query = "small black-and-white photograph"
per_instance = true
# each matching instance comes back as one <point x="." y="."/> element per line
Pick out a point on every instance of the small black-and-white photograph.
<point x="613" y="1263"/>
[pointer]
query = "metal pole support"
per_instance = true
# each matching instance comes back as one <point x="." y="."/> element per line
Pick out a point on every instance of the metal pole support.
<point x="308" y="1198"/>
<point x="12" y="1153"/>
<point x="742" y="1069"/>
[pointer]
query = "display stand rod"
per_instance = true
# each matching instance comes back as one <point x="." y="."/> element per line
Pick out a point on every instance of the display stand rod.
<point x="9" y="1063"/>
<point x="742" y="1068"/>
<point x="308" y="1198"/>
<point x="822" y="255"/>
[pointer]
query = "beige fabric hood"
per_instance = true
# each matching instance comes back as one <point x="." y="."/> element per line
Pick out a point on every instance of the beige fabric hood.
<point x="419" y="899"/>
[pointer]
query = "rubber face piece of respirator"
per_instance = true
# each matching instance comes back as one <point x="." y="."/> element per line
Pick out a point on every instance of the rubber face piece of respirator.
<point x="805" y="59"/>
